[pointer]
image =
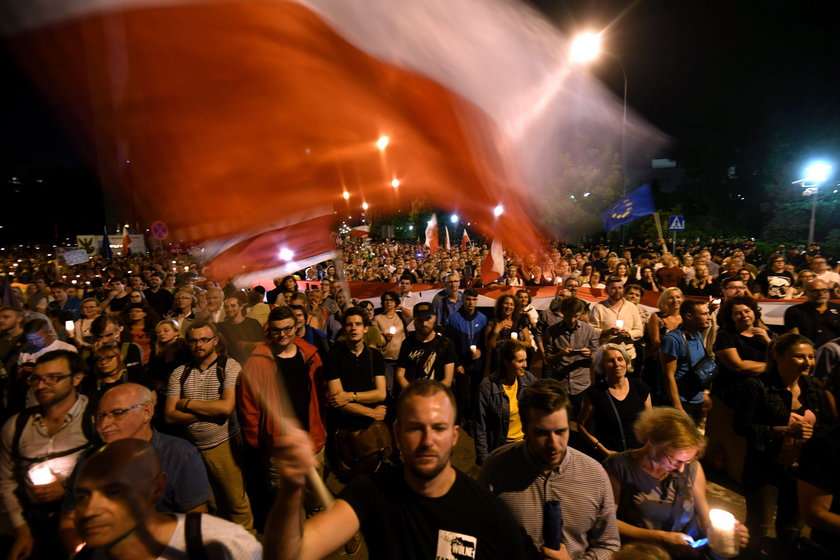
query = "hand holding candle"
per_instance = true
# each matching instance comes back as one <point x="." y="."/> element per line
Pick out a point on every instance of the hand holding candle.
<point x="722" y="533"/>
<point x="619" y="324"/>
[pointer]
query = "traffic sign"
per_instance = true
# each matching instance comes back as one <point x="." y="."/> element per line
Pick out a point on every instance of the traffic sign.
<point x="159" y="230"/>
<point x="676" y="223"/>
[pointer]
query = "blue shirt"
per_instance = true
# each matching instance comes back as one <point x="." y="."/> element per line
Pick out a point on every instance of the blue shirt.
<point x="72" y="305"/>
<point x="463" y="333"/>
<point x="673" y="345"/>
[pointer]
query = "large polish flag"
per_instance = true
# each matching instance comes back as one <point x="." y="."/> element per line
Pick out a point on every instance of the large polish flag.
<point x="432" y="235"/>
<point x="227" y="118"/>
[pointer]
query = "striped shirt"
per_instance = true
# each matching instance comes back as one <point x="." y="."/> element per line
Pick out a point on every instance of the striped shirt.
<point x="203" y="385"/>
<point x="581" y="486"/>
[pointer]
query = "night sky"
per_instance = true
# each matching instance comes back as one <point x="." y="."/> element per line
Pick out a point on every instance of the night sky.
<point x="724" y="77"/>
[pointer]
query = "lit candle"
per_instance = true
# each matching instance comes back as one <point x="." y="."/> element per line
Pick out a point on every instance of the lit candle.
<point x="473" y="347"/>
<point x="392" y="330"/>
<point x="619" y="323"/>
<point x="69" y="326"/>
<point x="514" y="336"/>
<point x="722" y="534"/>
<point x="41" y="474"/>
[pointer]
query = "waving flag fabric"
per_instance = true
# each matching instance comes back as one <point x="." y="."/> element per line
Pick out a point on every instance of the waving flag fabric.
<point x="221" y="117"/>
<point x="626" y="209"/>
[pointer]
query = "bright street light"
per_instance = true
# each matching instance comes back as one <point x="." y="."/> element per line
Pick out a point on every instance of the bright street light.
<point x="585" y="48"/>
<point x="383" y="141"/>
<point x="497" y="211"/>
<point x="454" y="218"/>
<point x="816" y="173"/>
<point x="346" y="195"/>
<point x="364" y="205"/>
<point x="395" y="183"/>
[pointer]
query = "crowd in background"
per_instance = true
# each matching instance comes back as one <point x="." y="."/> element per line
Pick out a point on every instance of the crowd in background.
<point x="150" y="320"/>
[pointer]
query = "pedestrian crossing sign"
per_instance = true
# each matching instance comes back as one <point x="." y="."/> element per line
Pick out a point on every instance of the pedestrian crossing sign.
<point x="676" y="223"/>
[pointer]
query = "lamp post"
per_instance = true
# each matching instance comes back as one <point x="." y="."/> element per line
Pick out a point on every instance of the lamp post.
<point x="816" y="173"/>
<point x="585" y="48"/>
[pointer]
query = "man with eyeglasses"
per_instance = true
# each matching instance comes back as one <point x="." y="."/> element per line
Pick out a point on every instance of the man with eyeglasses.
<point x="40" y="447"/>
<point x="202" y="397"/>
<point x="818" y="318"/>
<point x="124" y="412"/>
<point x="819" y="264"/>
<point x="299" y="368"/>
<point x="449" y="300"/>
<point x="40" y="339"/>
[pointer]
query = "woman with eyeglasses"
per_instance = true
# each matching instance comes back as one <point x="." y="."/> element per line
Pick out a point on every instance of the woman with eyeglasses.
<point x="660" y="488"/>
<point x="777" y="412"/>
<point x="110" y="370"/>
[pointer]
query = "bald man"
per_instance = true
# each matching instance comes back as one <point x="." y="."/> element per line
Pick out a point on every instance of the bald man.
<point x="116" y="493"/>
<point x="125" y="411"/>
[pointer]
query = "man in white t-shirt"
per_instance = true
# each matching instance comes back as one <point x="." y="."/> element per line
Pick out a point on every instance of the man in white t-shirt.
<point x="819" y="265"/>
<point x="116" y="493"/>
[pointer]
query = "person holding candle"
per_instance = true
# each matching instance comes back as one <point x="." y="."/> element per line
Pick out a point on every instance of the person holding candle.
<point x="508" y="321"/>
<point x="40" y="447"/>
<point x="777" y="412"/>
<point x="605" y="317"/>
<point x="660" y="488"/>
<point x="393" y="329"/>
<point x="465" y="329"/>
<point x="497" y="419"/>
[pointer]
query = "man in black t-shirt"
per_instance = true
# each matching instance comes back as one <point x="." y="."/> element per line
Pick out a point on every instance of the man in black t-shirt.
<point x="425" y="354"/>
<point x="355" y="376"/>
<point x="425" y="510"/>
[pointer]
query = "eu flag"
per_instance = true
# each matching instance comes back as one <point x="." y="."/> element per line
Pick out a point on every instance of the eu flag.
<point x="627" y="208"/>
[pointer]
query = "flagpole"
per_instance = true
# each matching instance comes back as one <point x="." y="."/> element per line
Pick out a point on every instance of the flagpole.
<point x="659" y="231"/>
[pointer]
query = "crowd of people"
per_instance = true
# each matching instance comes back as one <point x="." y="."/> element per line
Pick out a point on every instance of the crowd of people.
<point x="588" y="417"/>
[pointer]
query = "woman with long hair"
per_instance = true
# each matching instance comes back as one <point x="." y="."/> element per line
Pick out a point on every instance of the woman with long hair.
<point x="141" y="322"/>
<point x="740" y="345"/>
<point x="776" y="412"/>
<point x="665" y="320"/>
<point x="170" y="352"/>
<point x="497" y="418"/>
<point x="611" y="405"/>
<point x="508" y="323"/>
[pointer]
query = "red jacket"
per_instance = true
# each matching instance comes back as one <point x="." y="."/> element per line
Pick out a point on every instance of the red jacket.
<point x="259" y="402"/>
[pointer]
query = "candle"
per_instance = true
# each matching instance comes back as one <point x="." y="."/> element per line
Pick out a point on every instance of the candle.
<point x="514" y="336"/>
<point x="473" y="347"/>
<point x="392" y="330"/>
<point x="722" y="534"/>
<point x="619" y="323"/>
<point x="69" y="326"/>
<point x="40" y="473"/>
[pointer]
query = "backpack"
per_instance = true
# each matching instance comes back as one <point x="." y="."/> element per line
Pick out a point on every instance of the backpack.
<point x="221" y="364"/>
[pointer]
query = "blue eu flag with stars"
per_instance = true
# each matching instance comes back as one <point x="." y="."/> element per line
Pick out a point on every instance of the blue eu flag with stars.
<point x="627" y="208"/>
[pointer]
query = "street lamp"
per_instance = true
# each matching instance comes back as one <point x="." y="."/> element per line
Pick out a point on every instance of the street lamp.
<point x="816" y="173"/>
<point x="585" y="48"/>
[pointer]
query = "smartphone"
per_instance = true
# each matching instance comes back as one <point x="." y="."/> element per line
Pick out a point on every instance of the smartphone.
<point x="700" y="542"/>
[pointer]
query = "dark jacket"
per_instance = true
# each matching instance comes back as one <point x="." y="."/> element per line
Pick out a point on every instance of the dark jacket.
<point x="492" y="417"/>
<point x="764" y="402"/>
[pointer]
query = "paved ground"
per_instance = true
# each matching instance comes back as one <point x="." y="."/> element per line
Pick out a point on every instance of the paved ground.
<point x="721" y="495"/>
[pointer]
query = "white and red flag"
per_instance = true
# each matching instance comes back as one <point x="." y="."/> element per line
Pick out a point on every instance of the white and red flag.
<point x="233" y="115"/>
<point x="432" y="235"/>
<point x="493" y="265"/>
<point x="465" y="239"/>
<point x="126" y="242"/>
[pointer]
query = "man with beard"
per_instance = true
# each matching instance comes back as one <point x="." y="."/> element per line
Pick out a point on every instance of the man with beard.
<point x="425" y="354"/>
<point x="202" y="397"/>
<point x="818" y="318"/>
<point x="427" y="509"/>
